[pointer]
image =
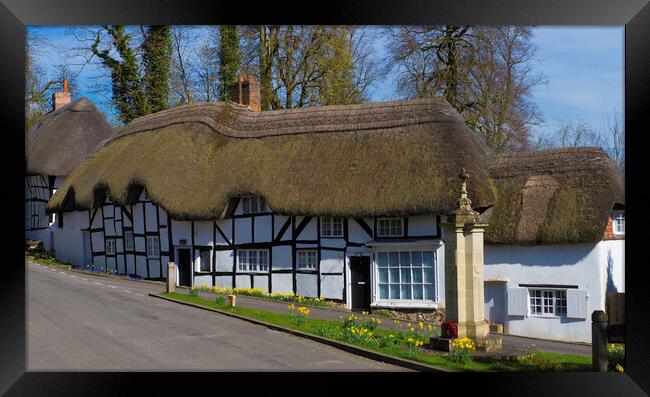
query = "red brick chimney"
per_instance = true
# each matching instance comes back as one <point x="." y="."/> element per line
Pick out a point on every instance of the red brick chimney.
<point x="246" y="91"/>
<point x="60" y="99"/>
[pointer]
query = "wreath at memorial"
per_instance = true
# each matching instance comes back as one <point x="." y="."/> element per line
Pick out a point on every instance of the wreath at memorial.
<point x="449" y="330"/>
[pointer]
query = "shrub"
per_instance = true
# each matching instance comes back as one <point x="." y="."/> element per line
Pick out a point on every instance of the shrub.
<point x="615" y="357"/>
<point x="194" y="291"/>
<point x="220" y="300"/>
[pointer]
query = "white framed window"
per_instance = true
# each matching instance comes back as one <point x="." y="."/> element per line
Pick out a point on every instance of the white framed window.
<point x="253" y="260"/>
<point x="331" y="227"/>
<point x="129" y="243"/>
<point x="253" y="204"/>
<point x="618" y="222"/>
<point x="390" y="227"/>
<point x="547" y="302"/>
<point x="306" y="259"/>
<point x="406" y="275"/>
<point x="204" y="260"/>
<point x="153" y="246"/>
<point x="110" y="246"/>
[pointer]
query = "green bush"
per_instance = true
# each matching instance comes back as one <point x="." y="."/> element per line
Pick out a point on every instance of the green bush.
<point x="461" y="356"/>
<point x="220" y="300"/>
<point x="615" y="356"/>
<point x="193" y="291"/>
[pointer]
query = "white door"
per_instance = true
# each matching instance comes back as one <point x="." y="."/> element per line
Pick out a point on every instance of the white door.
<point x="495" y="302"/>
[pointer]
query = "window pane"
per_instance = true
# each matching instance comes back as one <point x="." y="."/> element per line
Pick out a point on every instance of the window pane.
<point x="405" y="275"/>
<point x="383" y="275"/>
<point x="246" y="204"/>
<point x="263" y="207"/>
<point x="417" y="259"/>
<point x="404" y="258"/>
<point x="429" y="292"/>
<point x="393" y="259"/>
<point x="382" y="259"/>
<point x="383" y="291"/>
<point x="428" y="275"/>
<point x="427" y="258"/>
<point x="406" y="291"/>
<point x="417" y="291"/>
<point x="394" y="275"/>
<point x="394" y="291"/>
<point x="417" y="275"/>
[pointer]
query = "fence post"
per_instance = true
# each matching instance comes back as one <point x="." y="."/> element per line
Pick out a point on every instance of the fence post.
<point x="599" y="341"/>
<point x="171" y="277"/>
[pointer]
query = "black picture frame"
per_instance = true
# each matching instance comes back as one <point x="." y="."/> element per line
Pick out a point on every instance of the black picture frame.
<point x="16" y="14"/>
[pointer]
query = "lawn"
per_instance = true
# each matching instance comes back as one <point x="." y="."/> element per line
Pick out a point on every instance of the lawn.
<point x="391" y="342"/>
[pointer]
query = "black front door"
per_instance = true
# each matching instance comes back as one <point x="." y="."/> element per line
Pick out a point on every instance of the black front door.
<point x="360" y="279"/>
<point x="184" y="267"/>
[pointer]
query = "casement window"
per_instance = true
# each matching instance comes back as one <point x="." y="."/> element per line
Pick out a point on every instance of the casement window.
<point x="129" y="243"/>
<point x="110" y="246"/>
<point x="547" y="302"/>
<point x="406" y="275"/>
<point x="253" y="204"/>
<point x="306" y="259"/>
<point x="253" y="260"/>
<point x="618" y="222"/>
<point x="331" y="227"/>
<point x="204" y="260"/>
<point x="153" y="246"/>
<point x="390" y="227"/>
<point x="60" y="219"/>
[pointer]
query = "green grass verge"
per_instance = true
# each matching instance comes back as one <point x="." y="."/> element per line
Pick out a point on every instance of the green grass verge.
<point x="538" y="361"/>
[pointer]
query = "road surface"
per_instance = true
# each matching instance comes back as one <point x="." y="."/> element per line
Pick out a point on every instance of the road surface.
<point x="78" y="322"/>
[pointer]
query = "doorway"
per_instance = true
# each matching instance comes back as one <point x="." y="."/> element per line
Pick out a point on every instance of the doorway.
<point x="360" y="282"/>
<point x="495" y="302"/>
<point x="184" y="267"/>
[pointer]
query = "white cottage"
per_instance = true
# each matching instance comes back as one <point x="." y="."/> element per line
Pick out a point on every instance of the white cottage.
<point x="55" y="145"/>
<point x="341" y="202"/>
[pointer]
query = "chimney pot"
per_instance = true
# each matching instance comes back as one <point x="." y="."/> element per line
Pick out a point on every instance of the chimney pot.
<point x="65" y="85"/>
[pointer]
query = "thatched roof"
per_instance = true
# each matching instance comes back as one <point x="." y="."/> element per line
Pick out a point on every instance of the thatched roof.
<point x="393" y="158"/>
<point x="554" y="196"/>
<point x="356" y="160"/>
<point x="61" y="140"/>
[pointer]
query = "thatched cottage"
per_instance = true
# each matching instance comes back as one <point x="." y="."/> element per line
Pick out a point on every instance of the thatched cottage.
<point x="351" y="203"/>
<point x="54" y="146"/>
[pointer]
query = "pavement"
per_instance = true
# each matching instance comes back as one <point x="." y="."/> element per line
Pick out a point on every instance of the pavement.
<point x="79" y="322"/>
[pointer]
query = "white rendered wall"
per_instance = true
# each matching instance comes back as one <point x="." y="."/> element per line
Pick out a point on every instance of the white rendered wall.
<point x="584" y="265"/>
<point x="68" y="240"/>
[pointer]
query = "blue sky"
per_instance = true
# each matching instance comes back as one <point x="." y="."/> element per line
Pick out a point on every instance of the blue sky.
<point x="584" y="67"/>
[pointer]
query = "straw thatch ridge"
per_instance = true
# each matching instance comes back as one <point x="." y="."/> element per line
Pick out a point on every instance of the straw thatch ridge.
<point x="553" y="196"/>
<point x="396" y="158"/>
<point x="61" y="140"/>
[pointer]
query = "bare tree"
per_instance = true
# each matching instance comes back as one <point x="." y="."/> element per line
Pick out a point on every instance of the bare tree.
<point x="484" y="72"/>
<point x="610" y="137"/>
<point x="181" y="81"/>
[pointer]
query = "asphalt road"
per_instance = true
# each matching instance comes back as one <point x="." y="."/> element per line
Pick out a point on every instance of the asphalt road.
<point x="78" y="322"/>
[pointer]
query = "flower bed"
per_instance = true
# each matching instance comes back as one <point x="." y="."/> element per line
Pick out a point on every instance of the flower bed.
<point x="276" y="296"/>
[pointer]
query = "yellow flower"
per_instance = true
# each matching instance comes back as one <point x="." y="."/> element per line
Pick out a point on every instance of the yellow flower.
<point x="291" y="306"/>
<point x="420" y="325"/>
<point x="619" y="368"/>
